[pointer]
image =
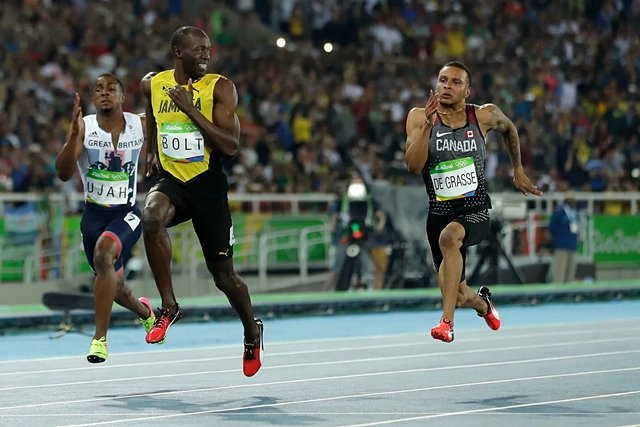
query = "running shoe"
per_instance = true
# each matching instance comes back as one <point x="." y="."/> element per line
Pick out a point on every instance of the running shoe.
<point x="97" y="351"/>
<point x="443" y="331"/>
<point x="147" y="323"/>
<point x="253" y="353"/>
<point x="492" y="317"/>
<point x="158" y="331"/>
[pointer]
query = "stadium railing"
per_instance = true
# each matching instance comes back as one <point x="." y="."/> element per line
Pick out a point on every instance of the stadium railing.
<point x="295" y="251"/>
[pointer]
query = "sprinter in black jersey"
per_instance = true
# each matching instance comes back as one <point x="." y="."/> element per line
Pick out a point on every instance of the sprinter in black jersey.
<point x="446" y="145"/>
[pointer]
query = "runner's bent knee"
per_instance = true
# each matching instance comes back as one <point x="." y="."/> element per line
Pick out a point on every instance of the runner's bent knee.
<point x="449" y="239"/>
<point x="156" y="214"/>
<point x="105" y="253"/>
<point x="226" y="278"/>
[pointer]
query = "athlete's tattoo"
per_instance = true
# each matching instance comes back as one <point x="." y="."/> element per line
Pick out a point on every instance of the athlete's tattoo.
<point x="502" y="124"/>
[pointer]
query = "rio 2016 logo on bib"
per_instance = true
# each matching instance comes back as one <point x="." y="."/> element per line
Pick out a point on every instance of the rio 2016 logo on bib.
<point x="454" y="179"/>
<point x="182" y="142"/>
<point x="107" y="188"/>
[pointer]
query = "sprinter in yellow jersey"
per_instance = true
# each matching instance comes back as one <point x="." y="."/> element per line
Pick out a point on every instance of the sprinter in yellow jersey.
<point x="192" y="124"/>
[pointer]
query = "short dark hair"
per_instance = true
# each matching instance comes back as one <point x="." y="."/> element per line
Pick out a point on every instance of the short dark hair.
<point x="178" y="37"/>
<point x="458" y="64"/>
<point x="113" y="76"/>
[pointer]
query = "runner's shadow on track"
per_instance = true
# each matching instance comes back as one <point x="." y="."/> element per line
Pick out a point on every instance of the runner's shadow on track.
<point x="263" y="412"/>
<point x="514" y="399"/>
<point x="258" y="409"/>
<point x="159" y="400"/>
<point x="523" y="399"/>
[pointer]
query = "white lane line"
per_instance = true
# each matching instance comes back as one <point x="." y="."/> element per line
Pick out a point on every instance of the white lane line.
<point x="334" y="398"/>
<point x="506" y="333"/>
<point x="287" y="366"/>
<point x="321" y="351"/>
<point x="499" y="408"/>
<point x="328" y="378"/>
<point x="315" y="413"/>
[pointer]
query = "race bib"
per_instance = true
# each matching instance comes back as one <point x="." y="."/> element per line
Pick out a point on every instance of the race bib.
<point x="182" y="142"/>
<point x="107" y="188"/>
<point x="454" y="179"/>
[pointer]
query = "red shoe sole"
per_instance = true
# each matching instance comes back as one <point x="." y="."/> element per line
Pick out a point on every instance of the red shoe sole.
<point x="439" y="335"/>
<point x="492" y="321"/>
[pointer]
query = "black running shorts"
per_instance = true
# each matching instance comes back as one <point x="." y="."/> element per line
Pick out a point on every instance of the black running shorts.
<point x="211" y="217"/>
<point x="476" y="226"/>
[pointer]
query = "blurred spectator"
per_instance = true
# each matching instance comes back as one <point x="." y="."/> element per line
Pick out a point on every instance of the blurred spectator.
<point x="567" y="72"/>
<point x="563" y="228"/>
<point x="33" y="173"/>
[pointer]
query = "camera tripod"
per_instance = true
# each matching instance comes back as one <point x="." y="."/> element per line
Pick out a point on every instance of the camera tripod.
<point x="490" y="251"/>
<point x="351" y="266"/>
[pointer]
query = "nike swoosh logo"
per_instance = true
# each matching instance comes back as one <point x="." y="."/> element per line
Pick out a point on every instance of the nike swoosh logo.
<point x="438" y="134"/>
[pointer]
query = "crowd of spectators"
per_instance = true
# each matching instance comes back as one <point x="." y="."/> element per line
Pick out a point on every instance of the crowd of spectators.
<point x="567" y="73"/>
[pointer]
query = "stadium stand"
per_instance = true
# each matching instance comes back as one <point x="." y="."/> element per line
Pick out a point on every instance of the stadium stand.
<point x="567" y="72"/>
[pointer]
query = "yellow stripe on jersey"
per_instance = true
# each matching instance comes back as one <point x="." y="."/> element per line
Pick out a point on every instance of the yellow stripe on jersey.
<point x="181" y="146"/>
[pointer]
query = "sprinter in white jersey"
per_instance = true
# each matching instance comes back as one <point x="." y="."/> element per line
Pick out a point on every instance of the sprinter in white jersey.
<point x="105" y="148"/>
<point x="446" y="145"/>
